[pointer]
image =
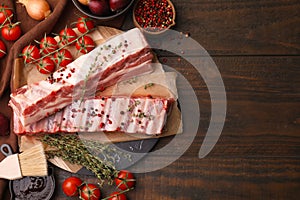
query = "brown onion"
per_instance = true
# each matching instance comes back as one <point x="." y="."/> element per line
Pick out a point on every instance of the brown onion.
<point x="37" y="9"/>
<point x="84" y="2"/>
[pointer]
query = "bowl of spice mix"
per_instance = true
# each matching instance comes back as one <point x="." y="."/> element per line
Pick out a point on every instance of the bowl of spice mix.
<point x="154" y="16"/>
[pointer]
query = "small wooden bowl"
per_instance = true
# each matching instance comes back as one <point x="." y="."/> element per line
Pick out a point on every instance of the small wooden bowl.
<point x="153" y="30"/>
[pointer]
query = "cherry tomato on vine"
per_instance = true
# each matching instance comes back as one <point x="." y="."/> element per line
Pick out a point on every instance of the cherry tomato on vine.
<point x="6" y="14"/>
<point x="11" y="32"/>
<point x="30" y="53"/>
<point x="63" y="57"/>
<point x="67" y="35"/>
<point x="124" y="180"/>
<point x="48" y="45"/>
<point x="117" y="196"/>
<point x="85" y="44"/>
<point x="71" y="186"/>
<point x="90" y="192"/>
<point x="2" y="49"/>
<point x="84" y="24"/>
<point x="46" y="66"/>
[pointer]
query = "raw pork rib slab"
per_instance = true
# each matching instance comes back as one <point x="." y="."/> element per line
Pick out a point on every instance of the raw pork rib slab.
<point x="123" y="114"/>
<point x="102" y="67"/>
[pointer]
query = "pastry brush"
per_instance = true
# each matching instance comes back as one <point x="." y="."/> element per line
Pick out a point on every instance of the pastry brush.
<point x="31" y="162"/>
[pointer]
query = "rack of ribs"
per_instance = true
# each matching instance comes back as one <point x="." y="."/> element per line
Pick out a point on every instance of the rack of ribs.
<point x="102" y="67"/>
<point x="123" y="114"/>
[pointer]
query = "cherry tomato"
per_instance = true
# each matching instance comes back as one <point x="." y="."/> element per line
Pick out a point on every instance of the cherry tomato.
<point x="71" y="186"/>
<point x="11" y="32"/>
<point x="30" y="53"/>
<point x="2" y="49"/>
<point x="63" y="57"/>
<point x="46" y="66"/>
<point x="85" y="44"/>
<point x="67" y="35"/>
<point x="84" y="24"/>
<point x="124" y="180"/>
<point x="48" y="45"/>
<point x="117" y="196"/>
<point x="90" y="192"/>
<point x="6" y="14"/>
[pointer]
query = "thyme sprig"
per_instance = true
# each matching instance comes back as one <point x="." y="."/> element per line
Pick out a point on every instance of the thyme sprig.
<point x="148" y="85"/>
<point x="86" y="153"/>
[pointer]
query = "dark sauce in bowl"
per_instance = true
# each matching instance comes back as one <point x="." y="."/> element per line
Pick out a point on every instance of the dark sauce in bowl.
<point x="29" y="188"/>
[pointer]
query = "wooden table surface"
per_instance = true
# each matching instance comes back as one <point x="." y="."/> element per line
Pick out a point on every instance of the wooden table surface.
<point x="256" y="47"/>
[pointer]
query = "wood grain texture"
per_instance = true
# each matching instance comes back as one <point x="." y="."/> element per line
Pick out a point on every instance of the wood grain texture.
<point x="262" y="101"/>
<point x="240" y="27"/>
<point x="222" y="178"/>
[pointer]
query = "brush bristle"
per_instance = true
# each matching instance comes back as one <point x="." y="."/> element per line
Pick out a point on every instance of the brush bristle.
<point x="33" y="161"/>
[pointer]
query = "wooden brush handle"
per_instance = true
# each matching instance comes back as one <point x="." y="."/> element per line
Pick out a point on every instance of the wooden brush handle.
<point x="10" y="168"/>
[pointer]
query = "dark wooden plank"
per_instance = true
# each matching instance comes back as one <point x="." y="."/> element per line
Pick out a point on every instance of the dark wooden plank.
<point x="259" y="79"/>
<point x="190" y="178"/>
<point x="263" y="109"/>
<point x="240" y="27"/>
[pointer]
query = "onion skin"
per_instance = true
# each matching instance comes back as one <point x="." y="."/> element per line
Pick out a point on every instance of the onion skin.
<point x="116" y="5"/>
<point x="84" y="2"/>
<point x="37" y="9"/>
<point x="99" y="7"/>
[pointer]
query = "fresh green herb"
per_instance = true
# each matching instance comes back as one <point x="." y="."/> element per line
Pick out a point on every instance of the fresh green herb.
<point x="130" y="81"/>
<point x="137" y="102"/>
<point x="148" y="85"/>
<point x="99" y="59"/>
<point x="95" y="156"/>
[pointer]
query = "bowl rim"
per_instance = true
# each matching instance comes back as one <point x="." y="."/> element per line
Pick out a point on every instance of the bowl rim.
<point x="154" y="32"/>
<point x="51" y="182"/>
<point x="78" y="5"/>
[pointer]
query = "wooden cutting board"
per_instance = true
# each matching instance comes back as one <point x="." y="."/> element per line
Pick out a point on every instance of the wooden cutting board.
<point x="28" y="74"/>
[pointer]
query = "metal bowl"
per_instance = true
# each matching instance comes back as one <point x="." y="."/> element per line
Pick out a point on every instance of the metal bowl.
<point x="85" y="10"/>
<point x="29" y="188"/>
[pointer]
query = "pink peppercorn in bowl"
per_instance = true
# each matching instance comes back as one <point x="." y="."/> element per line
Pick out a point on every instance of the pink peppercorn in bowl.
<point x="154" y="16"/>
